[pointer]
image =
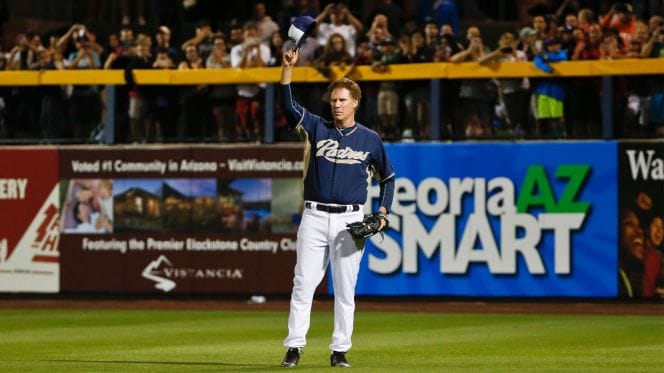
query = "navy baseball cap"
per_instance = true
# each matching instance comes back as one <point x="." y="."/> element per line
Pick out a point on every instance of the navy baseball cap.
<point x="301" y="28"/>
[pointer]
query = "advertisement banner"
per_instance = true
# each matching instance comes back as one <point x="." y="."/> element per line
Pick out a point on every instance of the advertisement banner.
<point x="641" y="219"/>
<point x="501" y="219"/>
<point x="180" y="219"/>
<point x="29" y="234"/>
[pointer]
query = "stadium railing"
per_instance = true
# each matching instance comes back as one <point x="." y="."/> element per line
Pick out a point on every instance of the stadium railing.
<point x="434" y="72"/>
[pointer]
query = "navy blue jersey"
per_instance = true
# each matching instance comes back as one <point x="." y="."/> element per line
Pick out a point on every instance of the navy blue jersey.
<point x="337" y="161"/>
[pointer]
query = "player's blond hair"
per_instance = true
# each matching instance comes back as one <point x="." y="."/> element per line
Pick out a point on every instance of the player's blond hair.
<point x="350" y="85"/>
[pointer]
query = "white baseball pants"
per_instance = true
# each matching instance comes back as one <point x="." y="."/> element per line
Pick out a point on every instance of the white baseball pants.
<point x="322" y="238"/>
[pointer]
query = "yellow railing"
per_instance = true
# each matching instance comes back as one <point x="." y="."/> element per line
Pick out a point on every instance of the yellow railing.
<point x="308" y="74"/>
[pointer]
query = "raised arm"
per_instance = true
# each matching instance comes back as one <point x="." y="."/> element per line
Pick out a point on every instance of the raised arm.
<point x="288" y="62"/>
<point x="293" y="111"/>
<point x="352" y="20"/>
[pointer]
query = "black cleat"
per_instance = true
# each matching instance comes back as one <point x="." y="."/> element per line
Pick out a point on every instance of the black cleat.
<point x="292" y="357"/>
<point x="338" y="359"/>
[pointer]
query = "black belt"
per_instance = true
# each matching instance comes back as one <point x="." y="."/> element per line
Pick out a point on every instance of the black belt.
<point x="333" y="209"/>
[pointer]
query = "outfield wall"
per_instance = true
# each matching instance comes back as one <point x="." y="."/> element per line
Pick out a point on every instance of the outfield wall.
<point x="529" y="219"/>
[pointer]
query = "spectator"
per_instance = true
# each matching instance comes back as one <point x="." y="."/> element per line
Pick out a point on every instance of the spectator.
<point x="653" y="47"/>
<point x="378" y="31"/>
<point x="388" y="96"/>
<point x="126" y="37"/>
<point x="552" y="26"/>
<point x="203" y="40"/>
<point x="655" y="23"/>
<point x="639" y="39"/>
<point x="391" y="12"/>
<point x="542" y="31"/>
<point x="120" y="58"/>
<point x="163" y="42"/>
<point x="194" y="99"/>
<point x="52" y="98"/>
<point x="113" y="47"/>
<point x="588" y="48"/>
<point x="583" y="114"/>
<point x="22" y="55"/>
<point x="416" y="97"/>
<point x="567" y="39"/>
<point x="644" y="110"/>
<point x="338" y="14"/>
<point x="528" y="42"/>
<point x="166" y="108"/>
<point x="249" y="104"/>
<point x="406" y="48"/>
<point x="35" y="45"/>
<point x="513" y="94"/>
<point x="282" y="132"/>
<point x="450" y="44"/>
<point x="222" y="96"/>
<point x="449" y="88"/>
<point x="126" y="43"/>
<point x="611" y="48"/>
<point x="266" y="25"/>
<point x="276" y="49"/>
<point x="571" y="21"/>
<point x="84" y="101"/>
<point x="550" y="92"/>
<point x="620" y="19"/>
<point x="141" y="123"/>
<point x="24" y="101"/>
<point x="53" y="46"/>
<point x="475" y="94"/>
<point x="421" y="51"/>
<point x="335" y="53"/>
<point x="409" y="26"/>
<point x="586" y="17"/>
<point x="431" y="35"/>
<point x="236" y="34"/>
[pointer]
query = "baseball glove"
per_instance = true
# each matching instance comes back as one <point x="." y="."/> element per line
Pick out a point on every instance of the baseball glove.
<point x="369" y="226"/>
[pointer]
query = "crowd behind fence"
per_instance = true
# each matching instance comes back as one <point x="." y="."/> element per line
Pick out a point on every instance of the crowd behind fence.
<point x="535" y="102"/>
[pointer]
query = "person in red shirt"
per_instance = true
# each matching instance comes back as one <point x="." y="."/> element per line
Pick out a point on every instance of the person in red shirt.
<point x="621" y="19"/>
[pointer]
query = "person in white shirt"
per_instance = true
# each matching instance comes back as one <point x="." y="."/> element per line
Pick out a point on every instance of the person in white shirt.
<point x="338" y="14"/>
<point x="249" y="104"/>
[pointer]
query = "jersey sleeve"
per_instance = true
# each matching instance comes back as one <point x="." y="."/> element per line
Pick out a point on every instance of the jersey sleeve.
<point x="299" y="118"/>
<point x="383" y="172"/>
<point x="381" y="167"/>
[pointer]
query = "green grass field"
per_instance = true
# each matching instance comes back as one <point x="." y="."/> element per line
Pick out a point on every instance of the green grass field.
<point x="206" y="341"/>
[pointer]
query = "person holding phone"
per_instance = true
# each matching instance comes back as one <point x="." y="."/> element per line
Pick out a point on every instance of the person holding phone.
<point x="513" y="94"/>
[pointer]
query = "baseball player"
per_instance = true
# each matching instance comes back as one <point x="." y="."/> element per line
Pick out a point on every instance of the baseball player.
<point x="338" y="155"/>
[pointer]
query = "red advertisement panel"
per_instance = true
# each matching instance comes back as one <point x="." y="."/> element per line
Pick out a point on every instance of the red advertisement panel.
<point x="29" y="256"/>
